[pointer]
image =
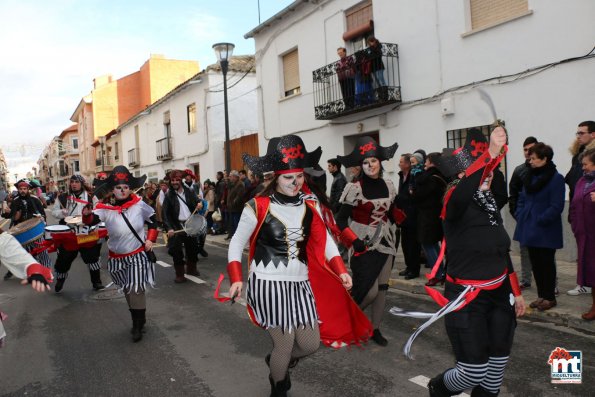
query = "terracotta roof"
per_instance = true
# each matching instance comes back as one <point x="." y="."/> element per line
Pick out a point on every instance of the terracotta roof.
<point x="237" y="63"/>
<point x="72" y="128"/>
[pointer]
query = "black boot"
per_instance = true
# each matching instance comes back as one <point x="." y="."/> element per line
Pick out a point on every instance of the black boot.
<point x="137" y="324"/>
<point x="96" y="280"/>
<point x="8" y="276"/>
<point x="59" y="285"/>
<point x="378" y="338"/>
<point x="438" y="388"/>
<point x="279" y="389"/>
<point x="479" y="391"/>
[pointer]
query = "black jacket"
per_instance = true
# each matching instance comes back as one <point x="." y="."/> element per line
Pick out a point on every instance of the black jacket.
<point x="516" y="185"/>
<point x="28" y="206"/>
<point x="171" y="207"/>
<point x="427" y="197"/>
<point x="337" y="187"/>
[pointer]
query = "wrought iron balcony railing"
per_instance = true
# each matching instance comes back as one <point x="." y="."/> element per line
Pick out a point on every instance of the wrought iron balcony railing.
<point x="133" y="158"/>
<point x="164" y="149"/>
<point x="364" y="80"/>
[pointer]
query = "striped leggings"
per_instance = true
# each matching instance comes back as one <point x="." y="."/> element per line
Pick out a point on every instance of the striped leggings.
<point x="488" y="375"/>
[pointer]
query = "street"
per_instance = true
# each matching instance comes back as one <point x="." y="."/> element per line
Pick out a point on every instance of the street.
<point x="78" y="344"/>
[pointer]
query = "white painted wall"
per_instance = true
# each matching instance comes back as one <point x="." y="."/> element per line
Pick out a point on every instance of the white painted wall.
<point x="204" y="147"/>
<point x="433" y="57"/>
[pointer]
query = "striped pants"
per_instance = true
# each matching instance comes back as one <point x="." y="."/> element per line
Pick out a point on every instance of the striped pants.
<point x="43" y="258"/>
<point x="132" y="273"/>
<point x="284" y="304"/>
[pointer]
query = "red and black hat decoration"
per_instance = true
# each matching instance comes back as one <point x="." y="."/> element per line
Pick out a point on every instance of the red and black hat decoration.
<point x="121" y="176"/>
<point x="285" y="154"/>
<point x="366" y="147"/>
<point x="179" y="174"/>
<point x="25" y="182"/>
<point x="454" y="161"/>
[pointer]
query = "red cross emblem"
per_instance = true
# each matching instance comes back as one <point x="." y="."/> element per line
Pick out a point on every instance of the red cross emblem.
<point x="367" y="147"/>
<point x="292" y="153"/>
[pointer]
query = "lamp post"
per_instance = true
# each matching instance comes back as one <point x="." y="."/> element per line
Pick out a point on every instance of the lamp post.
<point x="223" y="52"/>
<point x="102" y="143"/>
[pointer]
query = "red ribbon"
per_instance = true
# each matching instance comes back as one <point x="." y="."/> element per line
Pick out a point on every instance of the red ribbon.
<point x="216" y="294"/>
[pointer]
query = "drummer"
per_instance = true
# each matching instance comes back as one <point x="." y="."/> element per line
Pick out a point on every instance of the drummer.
<point x="178" y="205"/>
<point x="24" y="207"/>
<point x="131" y="262"/>
<point x="71" y="205"/>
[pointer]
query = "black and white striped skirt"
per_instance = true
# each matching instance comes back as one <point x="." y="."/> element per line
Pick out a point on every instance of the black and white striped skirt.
<point x="131" y="273"/>
<point x="284" y="304"/>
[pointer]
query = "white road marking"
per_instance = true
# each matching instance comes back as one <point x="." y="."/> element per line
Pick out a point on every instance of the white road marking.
<point x="195" y="279"/>
<point x="163" y="264"/>
<point x="423" y="382"/>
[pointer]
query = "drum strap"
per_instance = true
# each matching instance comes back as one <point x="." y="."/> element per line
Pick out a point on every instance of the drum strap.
<point x="142" y="243"/>
<point x="184" y="201"/>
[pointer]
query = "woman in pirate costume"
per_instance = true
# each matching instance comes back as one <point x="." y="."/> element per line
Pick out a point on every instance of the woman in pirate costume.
<point x="369" y="203"/>
<point x="131" y="260"/>
<point x="482" y="293"/>
<point x="297" y="278"/>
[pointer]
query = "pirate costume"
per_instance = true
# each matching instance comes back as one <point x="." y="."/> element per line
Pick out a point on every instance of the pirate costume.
<point x="23" y="208"/>
<point x="293" y="284"/>
<point x="72" y="205"/>
<point x="130" y="266"/>
<point x="371" y="233"/>
<point x="481" y="286"/>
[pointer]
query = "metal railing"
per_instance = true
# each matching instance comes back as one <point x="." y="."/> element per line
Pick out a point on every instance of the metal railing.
<point x="107" y="164"/>
<point x="164" y="149"/>
<point x="364" y="80"/>
<point x="133" y="158"/>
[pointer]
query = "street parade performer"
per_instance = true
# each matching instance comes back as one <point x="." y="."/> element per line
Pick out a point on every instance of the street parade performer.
<point x="297" y="286"/>
<point x="22" y="265"/>
<point x="26" y="206"/>
<point x="482" y="291"/>
<point x="371" y="234"/>
<point x="72" y="205"/>
<point x="131" y="262"/>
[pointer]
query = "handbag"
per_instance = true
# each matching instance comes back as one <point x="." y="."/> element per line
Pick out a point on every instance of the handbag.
<point x="150" y="254"/>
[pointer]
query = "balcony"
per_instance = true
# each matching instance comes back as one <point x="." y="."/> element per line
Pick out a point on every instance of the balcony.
<point x="107" y="165"/>
<point x="133" y="158"/>
<point x="164" y="149"/>
<point x="360" y="82"/>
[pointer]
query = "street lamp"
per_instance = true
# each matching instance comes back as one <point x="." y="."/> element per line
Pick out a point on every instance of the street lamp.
<point x="224" y="51"/>
<point x="102" y="143"/>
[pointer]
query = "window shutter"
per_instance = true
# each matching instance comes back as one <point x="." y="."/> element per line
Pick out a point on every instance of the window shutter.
<point x="359" y="15"/>
<point x="291" y="71"/>
<point x="489" y="12"/>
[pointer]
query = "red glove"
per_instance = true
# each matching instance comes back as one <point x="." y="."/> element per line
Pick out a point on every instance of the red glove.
<point x="337" y="266"/>
<point x="35" y="270"/>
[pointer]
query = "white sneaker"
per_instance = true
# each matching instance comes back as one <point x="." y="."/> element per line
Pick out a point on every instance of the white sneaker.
<point x="578" y="290"/>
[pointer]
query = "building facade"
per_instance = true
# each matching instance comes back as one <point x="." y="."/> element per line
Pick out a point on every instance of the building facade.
<point x="113" y="101"/>
<point x="186" y="129"/>
<point x="528" y="56"/>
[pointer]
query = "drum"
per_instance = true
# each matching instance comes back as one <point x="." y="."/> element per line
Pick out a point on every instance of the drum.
<point x="55" y="229"/>
<point x="28" y="231"/>
<point x="196" y="225"/>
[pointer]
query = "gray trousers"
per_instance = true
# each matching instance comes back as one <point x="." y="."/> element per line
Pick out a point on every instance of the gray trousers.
<point x="526" y="275"/>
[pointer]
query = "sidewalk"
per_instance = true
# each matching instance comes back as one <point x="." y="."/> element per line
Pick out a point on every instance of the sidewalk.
<point x="567" y="313"/>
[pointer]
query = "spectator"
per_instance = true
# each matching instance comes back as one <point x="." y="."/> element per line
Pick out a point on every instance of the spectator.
<point x="235" y="202"/>
<point x="374" y="52"/>
<point x="363" y="79"/>
<point x="582" y="220"/>
<point x="427" y="197"/>
<point x="339" y="182"/>
<point x="409" y="244"/>
<point x="219" y="198"/>
<point x="191" y="182"/>
<point x="244" y="179"/>
<point x="345" y="68"/>
<point x="209" y="189"/>
<point x="585" y="138"/>
<point x="514" y="188"/>
<point x="539" y="221"/>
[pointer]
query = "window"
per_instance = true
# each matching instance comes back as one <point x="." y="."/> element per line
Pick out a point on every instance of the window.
<point x="191" y="116"/>
<point x="75" y="166"/>
<point x="166" y="125"/>
<point x="291" y="73"/>
<point x="359" y="24"/>
<point x="75" y="143"/>
<point x="486" y="13"/>
<point x="116" y="151"/>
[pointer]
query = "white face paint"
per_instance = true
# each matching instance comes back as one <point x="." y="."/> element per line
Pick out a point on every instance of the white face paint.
<point x="290" y="184"/>
<point x="121" y="192"/>
<point x="371" y="167"/>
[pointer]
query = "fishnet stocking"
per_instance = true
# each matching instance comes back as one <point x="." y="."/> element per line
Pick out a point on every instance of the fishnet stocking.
<point x="298" y="343"/>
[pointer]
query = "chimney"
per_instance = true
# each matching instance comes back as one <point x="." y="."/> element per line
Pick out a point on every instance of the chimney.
<point x="102" y="80"/>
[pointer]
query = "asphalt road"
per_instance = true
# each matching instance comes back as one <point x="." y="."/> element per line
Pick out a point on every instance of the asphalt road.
<point x="75" y="344"/>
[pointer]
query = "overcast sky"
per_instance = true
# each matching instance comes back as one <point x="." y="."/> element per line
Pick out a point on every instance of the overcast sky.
<point x="51" y="50"/>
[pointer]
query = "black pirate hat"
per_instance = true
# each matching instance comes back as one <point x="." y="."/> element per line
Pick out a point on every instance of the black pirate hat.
<point x="454" y="161"/>
<point x="366" y="147"/>
<point x="121" y="176"/>
<point x="285" y="154"/>
<point x="26" y="181"/>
